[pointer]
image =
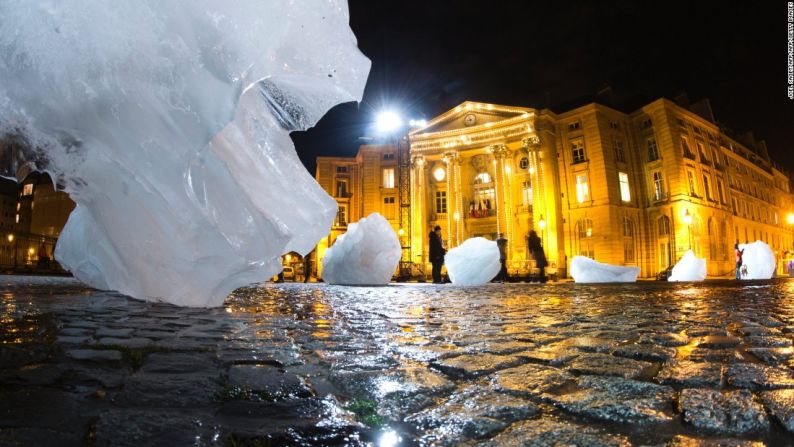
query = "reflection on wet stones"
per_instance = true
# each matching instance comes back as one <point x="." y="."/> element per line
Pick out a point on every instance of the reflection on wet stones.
<point x="645" y="352"/>
<point x="691" y="374"/>
<point x="553" y="433"/>
<point x="615" y="399"/>
<point x="717" y="342"/>
<point x="531" y="379"/>
<point x="665" y="339"/>
<point x="607" y="365"/>
<point x="726" y="412"/>
<point x="772" y="356"/>
<point x="474" y="412"/>
<point x="268" y="382"/>
<point x="686" y="441"/>
<point x="472" y="365"/>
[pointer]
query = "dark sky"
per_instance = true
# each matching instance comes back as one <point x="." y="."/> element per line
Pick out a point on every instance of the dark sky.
<point x="428" y="56"/>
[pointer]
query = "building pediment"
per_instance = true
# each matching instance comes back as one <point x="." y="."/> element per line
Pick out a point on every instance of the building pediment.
<point x="470" y="115"/>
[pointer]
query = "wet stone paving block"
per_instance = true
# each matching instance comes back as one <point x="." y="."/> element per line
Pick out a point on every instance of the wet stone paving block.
<point x="645" y="364"/>
<point x="758" y="376"/>
<point x="780" y="404"/>
<point x="725" y="412"/>
<point x="615" y="399"/>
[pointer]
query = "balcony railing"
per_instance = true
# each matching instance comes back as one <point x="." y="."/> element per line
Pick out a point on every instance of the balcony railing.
<point x="479" y="214"/>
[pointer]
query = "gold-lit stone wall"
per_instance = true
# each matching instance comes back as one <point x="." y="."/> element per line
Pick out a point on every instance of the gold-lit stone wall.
<point x="626" y="189"/>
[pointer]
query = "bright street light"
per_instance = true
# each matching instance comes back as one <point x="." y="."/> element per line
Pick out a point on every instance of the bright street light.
<point x="387" y="122"/>
<point x="790" y="218"/>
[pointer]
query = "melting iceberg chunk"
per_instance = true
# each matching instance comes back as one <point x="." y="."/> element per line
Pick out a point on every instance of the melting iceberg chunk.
<point x="689" y="268"/>
<point x="168" y="123"/>
<point x="474" y="262"/>
<point x="758" y="260"/>
<point x="584" y="269"/>
<point x="366" y="255"/>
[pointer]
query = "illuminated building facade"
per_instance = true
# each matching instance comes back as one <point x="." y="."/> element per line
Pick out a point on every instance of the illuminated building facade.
<point x="626" y="189"/>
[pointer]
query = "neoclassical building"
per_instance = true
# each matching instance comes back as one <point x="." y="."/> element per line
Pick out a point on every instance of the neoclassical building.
<point x="626" y="189"/>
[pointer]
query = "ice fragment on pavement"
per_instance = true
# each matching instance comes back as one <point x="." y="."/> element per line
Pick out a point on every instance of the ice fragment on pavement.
<point x="474" y="262"/>
<point x="168" y="123"/>
<point x="689" y="268"/>
<point x="584" y="269"/>
<point x="367" y="254"/>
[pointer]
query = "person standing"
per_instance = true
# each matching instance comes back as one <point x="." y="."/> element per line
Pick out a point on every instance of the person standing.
<point x="739" y="254"/>
<point x="535" y="247"/>
<point x="307" y="266"/>
<point x="437" y="253"/>
<point x="501" y="242"/>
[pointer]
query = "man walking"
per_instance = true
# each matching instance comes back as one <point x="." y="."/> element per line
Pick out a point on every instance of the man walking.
<point x="437" y="253"/>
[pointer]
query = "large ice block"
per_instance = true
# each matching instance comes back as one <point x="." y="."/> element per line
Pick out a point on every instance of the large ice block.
<point x="689" y="268"/>
<point x="586" y="270"/>
<point x="474" y="262"/>
<point x="168" y="123"/>
<point x="758" y="260"/>
<point x="367" y="254"/>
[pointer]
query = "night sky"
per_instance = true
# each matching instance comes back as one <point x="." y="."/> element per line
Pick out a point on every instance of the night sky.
<point x="429" y="56"/>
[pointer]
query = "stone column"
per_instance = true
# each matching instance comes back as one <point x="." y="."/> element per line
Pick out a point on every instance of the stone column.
<point x="499" y="152"/>
<point x="450" y="159"/>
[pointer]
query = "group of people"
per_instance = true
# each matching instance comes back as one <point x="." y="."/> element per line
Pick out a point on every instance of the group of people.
<point x="534" y="245"/>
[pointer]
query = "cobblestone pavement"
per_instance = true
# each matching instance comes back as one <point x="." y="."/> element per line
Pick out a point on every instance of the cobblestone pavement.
<point x="498" y="365"/>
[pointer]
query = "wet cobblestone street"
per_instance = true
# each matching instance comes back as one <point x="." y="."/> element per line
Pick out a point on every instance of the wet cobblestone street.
<point x="410" y="364"/>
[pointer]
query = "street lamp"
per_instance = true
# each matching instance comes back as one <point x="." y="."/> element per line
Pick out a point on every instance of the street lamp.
<point x="790" y="218"/>
<point x="542" y="226"/>
<point x="688" y="222"/>
<point x="387" y="122"/>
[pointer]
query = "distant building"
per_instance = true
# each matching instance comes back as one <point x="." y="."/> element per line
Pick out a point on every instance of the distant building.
<point x="627" y="189"/>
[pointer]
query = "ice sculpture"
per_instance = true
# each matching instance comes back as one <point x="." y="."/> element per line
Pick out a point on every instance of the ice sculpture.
<point x="366" y="255"/>
<point x="474" y="262"/>
<point x="584" y="269"/>
<point x="758" y="260"/>
<point x="689" y="268"/>
<point x="168" y="123"/>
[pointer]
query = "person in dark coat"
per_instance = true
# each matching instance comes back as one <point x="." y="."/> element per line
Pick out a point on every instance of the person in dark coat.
<point x="501" y="243"/>
<point x="437" y="253"/>
<point x="536" y="249"/>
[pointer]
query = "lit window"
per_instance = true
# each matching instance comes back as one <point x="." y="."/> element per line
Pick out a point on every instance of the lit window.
<point x="625" y="193"/>
<point x="658" y="186"/>
<point x="526" y="193"/>
<point x="389" y="210"/>
<point x="653" y="151"/>
<point x="664" y="226"/>
<point x="27" y="189"/>
<point x="441" y="202"/>
<point x="584" y="228"/>
<point x="482" y="178"/>
<point x="577" y="151"/>
<point x="388" y="178"/>
<point x="341" y="188"/>
<point x="582" y="188"/>
<point x="439" y="174"/>
<point x="17" y="219"/>
<point x="692" y="183"/>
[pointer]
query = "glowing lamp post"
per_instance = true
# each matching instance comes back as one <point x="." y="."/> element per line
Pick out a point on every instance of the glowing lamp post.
<point x="542" y="226"/>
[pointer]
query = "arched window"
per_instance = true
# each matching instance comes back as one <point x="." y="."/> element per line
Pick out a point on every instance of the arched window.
<point x="584" y="228"/>
<point x="712" y="239"/>
<point x="484" y="198"/>
<point x="628" y="240"/>
<point x="664" y="226"/>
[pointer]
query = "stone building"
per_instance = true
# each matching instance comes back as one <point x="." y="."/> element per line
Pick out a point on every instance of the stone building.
<point x="627" y="189"/>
